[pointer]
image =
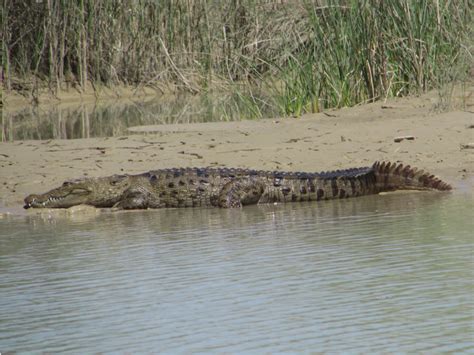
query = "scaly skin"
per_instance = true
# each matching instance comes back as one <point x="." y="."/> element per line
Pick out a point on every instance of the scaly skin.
<point x="193" y="187"/>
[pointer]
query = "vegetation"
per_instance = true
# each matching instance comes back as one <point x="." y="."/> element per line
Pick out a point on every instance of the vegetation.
<point x="292" y="56"/>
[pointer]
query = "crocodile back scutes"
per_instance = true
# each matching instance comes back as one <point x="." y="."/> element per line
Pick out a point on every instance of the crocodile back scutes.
<point x="242" y="172"/>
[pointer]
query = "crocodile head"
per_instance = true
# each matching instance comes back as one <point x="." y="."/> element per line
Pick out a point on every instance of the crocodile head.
<point x="98" y="192"/>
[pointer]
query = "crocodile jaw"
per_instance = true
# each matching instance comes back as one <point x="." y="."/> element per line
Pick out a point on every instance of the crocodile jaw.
<point x="98" y="192"/>
<point x="58" y="198"/>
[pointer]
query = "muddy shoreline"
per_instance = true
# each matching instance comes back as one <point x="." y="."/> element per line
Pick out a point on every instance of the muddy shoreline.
<point x="345" y="138"/>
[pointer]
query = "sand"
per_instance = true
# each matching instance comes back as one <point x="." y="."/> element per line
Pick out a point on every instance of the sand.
<point x="338" y="139"/>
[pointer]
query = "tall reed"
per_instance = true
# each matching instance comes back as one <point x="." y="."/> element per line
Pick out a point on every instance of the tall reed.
<point x="296" y="56"/>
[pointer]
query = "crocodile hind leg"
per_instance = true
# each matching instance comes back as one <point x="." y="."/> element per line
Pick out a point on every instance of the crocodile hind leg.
<point x="240" y="192"/>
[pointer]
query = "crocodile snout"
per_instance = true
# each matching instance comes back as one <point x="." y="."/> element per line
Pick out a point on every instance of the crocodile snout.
<point x="29" y="200"/>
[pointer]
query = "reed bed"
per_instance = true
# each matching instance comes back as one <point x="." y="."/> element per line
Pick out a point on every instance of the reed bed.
<point x="290" y="56"/>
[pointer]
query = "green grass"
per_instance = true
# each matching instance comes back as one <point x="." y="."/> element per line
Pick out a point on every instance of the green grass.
<point x="370" y="50"/>
<point x="293" y="57"/>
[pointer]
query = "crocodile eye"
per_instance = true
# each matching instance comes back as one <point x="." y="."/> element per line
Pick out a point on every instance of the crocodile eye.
<point x="71" y="182"/>
<point x="116" y="179"/>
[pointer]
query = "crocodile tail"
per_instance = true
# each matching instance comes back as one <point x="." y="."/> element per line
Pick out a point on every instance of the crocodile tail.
<point x="393" y="176"/>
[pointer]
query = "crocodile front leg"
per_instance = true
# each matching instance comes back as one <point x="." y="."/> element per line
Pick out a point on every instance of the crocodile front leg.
<point x="136" y="198"/>
<point x="240" y="192"/>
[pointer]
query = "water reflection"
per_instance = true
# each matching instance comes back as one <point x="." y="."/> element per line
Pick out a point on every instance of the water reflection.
<point x="376" y="274"/>
<point x="112" y="118"/>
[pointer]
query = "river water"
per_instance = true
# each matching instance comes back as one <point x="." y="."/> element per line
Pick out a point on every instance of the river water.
<point x="109" y="118"/>
<point x="374" y="274"/>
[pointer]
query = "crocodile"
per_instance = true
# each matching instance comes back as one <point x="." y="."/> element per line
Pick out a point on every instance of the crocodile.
<point x="227" y="188"/>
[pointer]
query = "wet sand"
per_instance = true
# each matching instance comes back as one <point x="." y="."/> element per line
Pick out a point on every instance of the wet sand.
<point x="337" y="139"/>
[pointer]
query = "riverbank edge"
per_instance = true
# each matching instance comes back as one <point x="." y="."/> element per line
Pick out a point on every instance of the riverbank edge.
<point x="338" y="139"/>
<point x="15" y="100"/>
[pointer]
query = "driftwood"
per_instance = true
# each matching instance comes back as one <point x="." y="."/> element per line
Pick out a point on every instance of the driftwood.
<point x="467" y="146"/>
<point x="401" y="138"/>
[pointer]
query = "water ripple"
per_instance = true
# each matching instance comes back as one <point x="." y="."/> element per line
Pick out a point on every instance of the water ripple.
<point x="378" y="274"/>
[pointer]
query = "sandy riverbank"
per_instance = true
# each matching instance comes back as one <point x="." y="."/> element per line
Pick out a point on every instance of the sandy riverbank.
<point x="338" y="139"/>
